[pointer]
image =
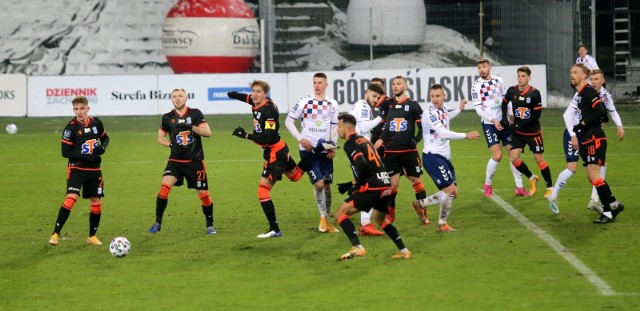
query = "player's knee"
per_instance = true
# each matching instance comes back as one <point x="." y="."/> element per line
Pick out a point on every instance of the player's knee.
<point x="164" y="191"/>
<point x="264" y="192"/>
<point x="96" y="207"/>
<point x="516" y="162"/>
<point x="69" y="202"/>
<point x="295" y="174"/>
<point x="205" y="198"/>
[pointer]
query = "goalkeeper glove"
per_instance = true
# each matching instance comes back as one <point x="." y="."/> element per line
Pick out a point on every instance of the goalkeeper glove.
<point x="240" y="132"/>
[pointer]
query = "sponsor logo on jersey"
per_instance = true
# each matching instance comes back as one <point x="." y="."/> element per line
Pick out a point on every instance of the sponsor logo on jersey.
<point x="184" y="138"/>
<point x="88" y="146"/>
<point x="270" y="125"/>
<point x="522" y="113"/>
<point x="398" y="125"/>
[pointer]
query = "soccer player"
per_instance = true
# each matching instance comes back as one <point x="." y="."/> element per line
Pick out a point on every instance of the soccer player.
<point x="589" y="111"/>
<point x="571" y="119"/>
<point x="84" y="140"/>
<point x="401" y="116"/>
<point x="436" y="154"/>
<point x="266" y="134"/>
<point x="487" y="94"/>
<point x="363" y="112"/>
<point x="185" y="127"/>
<point x="319" y="121"/>
<point x="370" y="190"/>
<point x="377" y="109"/>
<point x="526" y="107"/>
<point x="586" y="59"/>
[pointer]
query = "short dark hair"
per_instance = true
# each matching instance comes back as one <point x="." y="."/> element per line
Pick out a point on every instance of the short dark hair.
<point x="80" y="100"/>
<point x="483" y="60"/>
<point x="436" y="87"/>
<point x="524" y="69"/>
<point x="399" y="78"/>
<point x="596" y="71"/>
<point x="582" y="46"/>
<point x="320" y="75"/>
<point x="347" y="118"/>
<point x="375" y="87"/>
<point x="263" y="84"/>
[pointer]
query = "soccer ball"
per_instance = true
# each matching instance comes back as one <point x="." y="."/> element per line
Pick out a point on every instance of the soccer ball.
<point x="11" y="128"/>
<point x="120" y="247"/>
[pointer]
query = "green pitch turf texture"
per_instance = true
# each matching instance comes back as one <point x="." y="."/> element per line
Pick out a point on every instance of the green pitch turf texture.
<point x="493" y="261"/>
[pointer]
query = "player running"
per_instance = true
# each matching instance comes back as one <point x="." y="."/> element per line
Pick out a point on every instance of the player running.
<point x="370" y="190"/>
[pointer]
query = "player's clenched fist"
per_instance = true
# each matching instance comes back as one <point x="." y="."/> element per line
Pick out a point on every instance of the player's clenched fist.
<point x="240" y="132"/>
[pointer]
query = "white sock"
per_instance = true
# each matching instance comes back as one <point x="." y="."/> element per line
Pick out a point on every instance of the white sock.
<point x="321" y="200"/>
<point x="365" y="217"/>
<point x="492" y="165"/>
<point x="516" y="175"/>
<point x="445" y="209"/>
<point x="594" y="192"/>
<point x="560" y="182"/>
<point x="431" y="200"/>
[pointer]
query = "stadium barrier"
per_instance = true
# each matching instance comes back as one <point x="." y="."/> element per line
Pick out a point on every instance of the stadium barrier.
<point x="44" y="96"/>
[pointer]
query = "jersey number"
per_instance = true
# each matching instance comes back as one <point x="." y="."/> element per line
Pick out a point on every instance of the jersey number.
<point x="372" y="155"/>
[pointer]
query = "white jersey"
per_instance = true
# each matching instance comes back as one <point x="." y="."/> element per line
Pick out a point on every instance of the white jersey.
<point x="572" y="114"/>
<point x="363" y="113"/>
<point x="588" y="61"/>
<point x="607" y="100"/>
<point x="487" y="98"/>
<point x="435" y="130"/>
<point x="317" y="118"/>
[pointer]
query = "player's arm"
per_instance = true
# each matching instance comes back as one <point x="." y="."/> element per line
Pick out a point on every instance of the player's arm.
<point x="596" y="113"/>
<point x="202" y="129"/>
<point x="455" y="112"/>
<point x="505" y="108"/>
<point x="360" y="165"/>
<point x="240" y="96"/>
<point x="162" y="138"/>
<point x="268" y="134"/>
<point x="417" y="115"/>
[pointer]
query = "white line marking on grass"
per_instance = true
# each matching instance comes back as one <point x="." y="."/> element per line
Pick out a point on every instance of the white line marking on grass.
<point x="565" y="253"/>
<point x="124" y="163"/>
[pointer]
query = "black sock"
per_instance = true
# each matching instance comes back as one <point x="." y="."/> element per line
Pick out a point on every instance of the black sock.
<point x="524" y="169"/>
<point x="161" y="205"/>
<point x="393" y="234"/>
<point x="421" y="195"/>
<point x="350" y="230"/>
<point x="605" y="195"/>
<point x="270" y="211"/>
<point x="94" y="223"/>
<point x="208" y="214"/>
<point x="546" y="174"/>
<point x="63" y="215"/>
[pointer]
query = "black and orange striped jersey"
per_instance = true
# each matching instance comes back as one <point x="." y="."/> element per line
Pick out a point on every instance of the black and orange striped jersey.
<point x="400" y="122"/>
<point x="266" y="124"/>
<point x="526" y="107"/>
<point x="367" y="167"/>
<point x="592" y="110"/>
<point x="185" y="144"/>
<point x="79" y="141"/>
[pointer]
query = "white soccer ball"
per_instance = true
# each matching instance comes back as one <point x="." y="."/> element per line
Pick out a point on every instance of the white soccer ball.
<point x="120" y="247"/>
<point x="11" y="128"/>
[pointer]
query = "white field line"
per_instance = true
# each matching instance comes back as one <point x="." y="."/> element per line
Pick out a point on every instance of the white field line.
<point x="565" y="253"/>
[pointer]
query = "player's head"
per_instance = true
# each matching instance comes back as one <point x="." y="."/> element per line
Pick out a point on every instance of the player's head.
<point x="398" y="85"/>
<point x="437" y="95"/>
<point x="346" y="124"/>
<point x="596" y="79"/>
<point x="524" y="76"/>
<point x="179" y="98"/>
<point x="373" y="93"/>
<point x="484" y="68"/>
<point x="578" y="74"/>
<point x="259" y="90"/>
<point x="320" y="84"/>
<point x="80" y="108"/>
<point x="380" y="82"/>
<point x="582" y="50"/>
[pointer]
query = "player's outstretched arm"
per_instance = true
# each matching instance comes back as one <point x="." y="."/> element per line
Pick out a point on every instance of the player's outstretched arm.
<point x="240" y="96"/>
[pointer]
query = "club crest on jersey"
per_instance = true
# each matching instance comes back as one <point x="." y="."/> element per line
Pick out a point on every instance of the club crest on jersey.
<point x="528" y="100"/>
<point x="522" y="113"/>
<point x="406" y="107"/>
<point x="95" y="130"/>
<point x="258" y="115"/>
<point x="184" y="138"/>
<point x="398" y="125"/>
<point x="88" y="146"/>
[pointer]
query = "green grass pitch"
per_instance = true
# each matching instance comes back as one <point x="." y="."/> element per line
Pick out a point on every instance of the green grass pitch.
<point x="494" y="261"/>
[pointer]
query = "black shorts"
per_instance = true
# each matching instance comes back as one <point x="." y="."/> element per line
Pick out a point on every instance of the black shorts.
<point x="193" y="171"/>
<point x="593" y="150"/>
<point x="90" y="181"/>
<point x="406" y="163"/>
<point x="368" y="199"/>
<point x="534" y="141"/>
<point x="277" y="161"/>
